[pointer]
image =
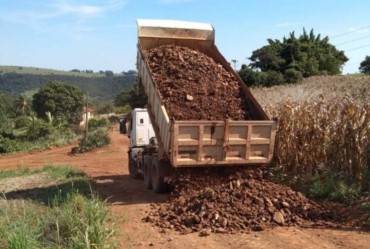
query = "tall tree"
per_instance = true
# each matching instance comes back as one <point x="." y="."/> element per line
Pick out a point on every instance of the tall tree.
<point x="22" y="105"/>
<point x="365" y="65"/>
<point x="294" y="57"/>
<point x="61" y="100"/>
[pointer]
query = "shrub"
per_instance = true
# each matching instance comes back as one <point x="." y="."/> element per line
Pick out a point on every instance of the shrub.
<point x="21" y="122"/>
<point x="39" y="129"/>
<point x="95" y="124"/>
<point x="273" y="78"/>
<point x="330" y="186"/>
<point x="95" y="139"/>
<point x="292" y="76"/>
<point x="7" y="145"/>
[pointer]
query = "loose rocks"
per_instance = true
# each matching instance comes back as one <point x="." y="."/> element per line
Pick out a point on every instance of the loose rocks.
<point x="194" y="87"/>
<point x="233" y="200"/>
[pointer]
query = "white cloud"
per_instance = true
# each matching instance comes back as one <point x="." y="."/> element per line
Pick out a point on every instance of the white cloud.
<point x="59" y="8"/>
<point x="84" y="10"/>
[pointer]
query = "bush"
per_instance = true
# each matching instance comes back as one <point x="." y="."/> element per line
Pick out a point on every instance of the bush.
<point x="273" y="78"/>
<point x="292" y="76"/>
<point x="95" y="124"/>
<point x="95" y="139"/>
<point x="7" y="145"/>
<point x="21" y="122"/>
<point x="39" y="129"/>
<point x="331" y="187"/>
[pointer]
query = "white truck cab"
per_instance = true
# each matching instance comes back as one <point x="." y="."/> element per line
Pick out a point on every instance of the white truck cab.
<point x="141" y="128"/>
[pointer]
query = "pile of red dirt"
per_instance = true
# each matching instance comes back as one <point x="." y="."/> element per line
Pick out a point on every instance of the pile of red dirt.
<point x="194" y="87"/>
<point x="234" y="200"/>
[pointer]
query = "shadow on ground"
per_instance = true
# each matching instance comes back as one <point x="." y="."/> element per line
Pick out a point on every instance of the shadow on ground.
<point x="123" y="190"/>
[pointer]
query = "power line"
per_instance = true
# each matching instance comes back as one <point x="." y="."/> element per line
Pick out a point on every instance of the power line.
<point x="361" y="38"/>
<point x="357" y="48"/>
<point x="349" y="32"/>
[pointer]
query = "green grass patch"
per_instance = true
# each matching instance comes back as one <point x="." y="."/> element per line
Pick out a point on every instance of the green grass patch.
<point x="54" y="171"/>
<point x="75" y="216"/>
<point x="329" y="186"/>
<point x="21" y="171"/>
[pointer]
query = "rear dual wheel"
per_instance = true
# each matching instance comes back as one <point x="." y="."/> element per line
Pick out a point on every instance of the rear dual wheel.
<point x="147" y="172"/>
<point x="159" y="170"/>
<point x="133" y="168"/>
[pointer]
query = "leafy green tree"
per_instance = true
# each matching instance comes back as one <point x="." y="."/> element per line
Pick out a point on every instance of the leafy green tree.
<point x="63" y="101"/>
<point x="365" y="65"/>
<point x="293" y="58"/>
<point x="134" y="97"/>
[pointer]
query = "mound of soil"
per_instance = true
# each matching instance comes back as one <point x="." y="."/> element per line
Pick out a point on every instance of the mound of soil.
<point x="233" y="200"/>
<point x="194" y="87"/>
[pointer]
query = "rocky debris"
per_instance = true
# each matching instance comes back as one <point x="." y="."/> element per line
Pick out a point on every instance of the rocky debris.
<point x="194" y="87"/>
<point x="229" y="200"/>
<point x="205" y="232"/>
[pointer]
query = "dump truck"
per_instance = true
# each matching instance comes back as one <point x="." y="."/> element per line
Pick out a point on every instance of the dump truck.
<point x="160" y="144"/>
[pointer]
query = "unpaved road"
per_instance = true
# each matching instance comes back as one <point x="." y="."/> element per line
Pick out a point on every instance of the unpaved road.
<point x="129" y="202"/>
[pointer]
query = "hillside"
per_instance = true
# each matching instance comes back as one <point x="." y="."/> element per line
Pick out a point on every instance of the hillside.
<point x="14" y="80"/>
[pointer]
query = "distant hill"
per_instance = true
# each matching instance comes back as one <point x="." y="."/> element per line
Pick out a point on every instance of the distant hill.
<point x="15" y="80"/>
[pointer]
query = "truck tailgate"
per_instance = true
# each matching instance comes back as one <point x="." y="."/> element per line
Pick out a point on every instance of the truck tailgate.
<point x="202" y="143"/>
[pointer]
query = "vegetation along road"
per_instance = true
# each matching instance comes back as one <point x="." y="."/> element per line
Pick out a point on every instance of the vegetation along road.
<point x="129" y="202"/>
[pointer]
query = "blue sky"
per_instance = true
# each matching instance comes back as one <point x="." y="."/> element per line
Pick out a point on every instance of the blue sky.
<point x="101" y="34"/>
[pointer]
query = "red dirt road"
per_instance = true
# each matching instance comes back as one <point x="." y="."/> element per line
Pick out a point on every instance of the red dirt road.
<point x="130" y="201"/>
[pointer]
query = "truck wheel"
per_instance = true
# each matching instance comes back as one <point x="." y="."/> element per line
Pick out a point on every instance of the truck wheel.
<point x="132" y="168"/>
<point x="147" y="172"/>
<point x="159" y="171"/>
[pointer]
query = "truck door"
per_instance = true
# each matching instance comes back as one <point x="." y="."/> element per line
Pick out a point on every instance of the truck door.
<point x="144" y="129"/>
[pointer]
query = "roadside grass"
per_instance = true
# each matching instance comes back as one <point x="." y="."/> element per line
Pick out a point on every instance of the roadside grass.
<point x="21" y="143"/>
<point x="62" y="212"/>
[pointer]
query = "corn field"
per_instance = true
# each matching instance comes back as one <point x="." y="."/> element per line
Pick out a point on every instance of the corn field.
<point x="317" y="136"/>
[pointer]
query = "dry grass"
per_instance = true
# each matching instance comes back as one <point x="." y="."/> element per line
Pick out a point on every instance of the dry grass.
<point x="324" y="125"/>
<point x="313" y="88"/>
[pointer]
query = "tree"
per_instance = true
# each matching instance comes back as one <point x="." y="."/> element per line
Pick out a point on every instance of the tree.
<point x="296" y="57"/>
<point x="63" y="101"/>
<point x="365" y="65"/>
<point x="108" y="73"/>
<point x="134" y="97"/>
<point x="22" y="105"/>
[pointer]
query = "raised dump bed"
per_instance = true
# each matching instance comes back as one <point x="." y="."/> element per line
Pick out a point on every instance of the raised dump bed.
<point x="194" y="143"/>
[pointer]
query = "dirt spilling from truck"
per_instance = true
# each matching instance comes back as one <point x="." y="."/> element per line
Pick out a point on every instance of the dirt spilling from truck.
<point x="234" y="200"/>
<point x="194" y="87"/>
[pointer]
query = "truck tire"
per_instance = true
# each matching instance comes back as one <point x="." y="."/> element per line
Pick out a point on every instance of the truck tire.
<point x="159" y="171"/>
<point x="132" y="168"/>
<point x="147" y="172"/>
